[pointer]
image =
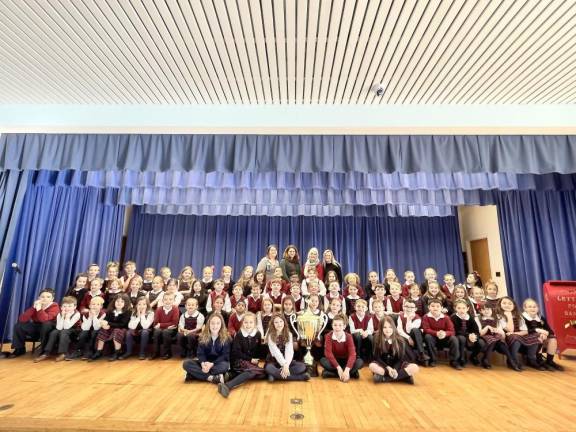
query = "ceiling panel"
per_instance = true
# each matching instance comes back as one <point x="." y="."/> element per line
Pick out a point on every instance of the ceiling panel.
<point x="255" y="52"/>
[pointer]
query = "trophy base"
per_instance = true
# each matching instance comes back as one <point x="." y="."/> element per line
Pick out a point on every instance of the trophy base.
<point x="308" y="359"/>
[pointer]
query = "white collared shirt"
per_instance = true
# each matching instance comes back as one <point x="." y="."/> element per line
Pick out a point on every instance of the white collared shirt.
<point x="527" y="317"/>
<point x="441" y="316"/>
<point x="199" y="319"/>
<point x="68" y="323"/>
<point x="251" y="334"/>
<point x="145" y="320"/>
<point x="341" y="339"/>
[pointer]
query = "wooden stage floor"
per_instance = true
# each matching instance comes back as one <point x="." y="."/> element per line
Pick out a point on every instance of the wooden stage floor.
<point x="147" y="395"/>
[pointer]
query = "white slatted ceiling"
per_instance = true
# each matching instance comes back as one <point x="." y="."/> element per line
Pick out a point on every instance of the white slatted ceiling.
<point x="287" y="51"/>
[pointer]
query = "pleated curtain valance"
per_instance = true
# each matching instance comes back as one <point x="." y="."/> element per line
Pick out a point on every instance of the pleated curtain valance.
<point x="520" y="154"/>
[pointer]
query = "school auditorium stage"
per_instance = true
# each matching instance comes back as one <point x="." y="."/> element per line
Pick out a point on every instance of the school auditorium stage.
<point x="138" y="395"/>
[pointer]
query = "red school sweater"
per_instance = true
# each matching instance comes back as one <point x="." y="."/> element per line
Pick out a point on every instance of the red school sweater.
<point x="43" y="315"/>
<point x="334" y="349"/>
<point x="432" y="325"/>
<point x="166" y="319"/>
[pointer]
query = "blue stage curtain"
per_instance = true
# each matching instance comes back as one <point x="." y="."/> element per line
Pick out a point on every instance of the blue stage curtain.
<point x="12" y="190"/>
<point x="535" y="154"/>
<point x="360" y="244"/>
<point x="302" y="194"/>
<point x="61" y="230"/>
<point x="538" y="232"/>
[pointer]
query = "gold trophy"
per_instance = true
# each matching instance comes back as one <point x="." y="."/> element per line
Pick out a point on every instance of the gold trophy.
<point x="310" y="326"/>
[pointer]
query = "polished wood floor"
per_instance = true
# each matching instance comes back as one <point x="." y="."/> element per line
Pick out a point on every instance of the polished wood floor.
<point x="138" y="395"/>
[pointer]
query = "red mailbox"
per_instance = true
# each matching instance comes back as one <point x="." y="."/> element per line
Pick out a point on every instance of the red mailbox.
<point x="560" y="303"/>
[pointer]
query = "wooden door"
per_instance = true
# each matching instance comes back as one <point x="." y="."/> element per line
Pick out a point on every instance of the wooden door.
<point x="481" y="258"/>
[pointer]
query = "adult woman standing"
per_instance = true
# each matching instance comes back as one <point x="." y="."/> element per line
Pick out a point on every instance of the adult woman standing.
<point x="313" y="262"/>
<point x="290" y="263"/>
<point x="329" y="263"/>
<point x="269" y="263"/>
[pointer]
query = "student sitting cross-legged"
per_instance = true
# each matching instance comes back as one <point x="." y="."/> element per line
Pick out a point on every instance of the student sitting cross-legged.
<point x="340" y="360"/>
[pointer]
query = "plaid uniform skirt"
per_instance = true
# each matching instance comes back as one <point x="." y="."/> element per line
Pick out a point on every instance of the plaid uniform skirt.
<point x="528" y="340"/>
<point x="491" y="338"/>
<point x="116" y="334"/>
<point x="245" y="366"/>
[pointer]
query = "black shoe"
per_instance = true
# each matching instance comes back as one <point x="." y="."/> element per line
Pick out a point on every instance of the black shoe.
<point x="312" y="370"/>
<point x="535" y="365"/>
<point x="328" y="374"/>
<point x="142" y="357"/>
<point x="166" y="356"/>
<point x="432" y="363"/>
<point x="410" y="380"/>
<point x="114" y="356"/>
<point x="223" y="389"/>
<point x="422" y="359"/>
<point x="355" y="375"/>
<point x="270" y="378"/>
<point x="17" y="353"/>
<point x="95" y="356"/>
<point x="124" y="356"/>
<point x="475" y="361"/>
<point x="552" y="365"/>
<point x="73" y="356"/>
<point x="456" y="365"/>
<point x="188" y="378"/>
<point x="485" y="364"/>
<point x="377" y="378"/>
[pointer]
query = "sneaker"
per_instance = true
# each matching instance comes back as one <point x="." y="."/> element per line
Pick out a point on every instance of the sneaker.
<point x="410" y="380"/>
<point x="223" y="389"/>
<point x="306" y="376"/>
<point x="40" y="358"/>
<point x="60" y="357"/>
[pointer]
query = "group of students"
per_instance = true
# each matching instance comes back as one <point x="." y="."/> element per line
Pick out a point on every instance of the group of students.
<point x="233" y="331"/>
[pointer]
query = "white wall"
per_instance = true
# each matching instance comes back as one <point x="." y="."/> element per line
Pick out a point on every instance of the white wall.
<point x="478" y="222"/>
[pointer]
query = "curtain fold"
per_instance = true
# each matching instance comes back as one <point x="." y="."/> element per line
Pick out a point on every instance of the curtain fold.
<point x="535" y="154"/>
<point x="61" y="230"/>
<point x="361" y="244"/>
<point x="13" y="186"/>
<point x="538" y="232"/>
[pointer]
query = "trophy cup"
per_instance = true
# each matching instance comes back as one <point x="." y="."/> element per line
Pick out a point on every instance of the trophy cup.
<point x="310" y="326"/>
